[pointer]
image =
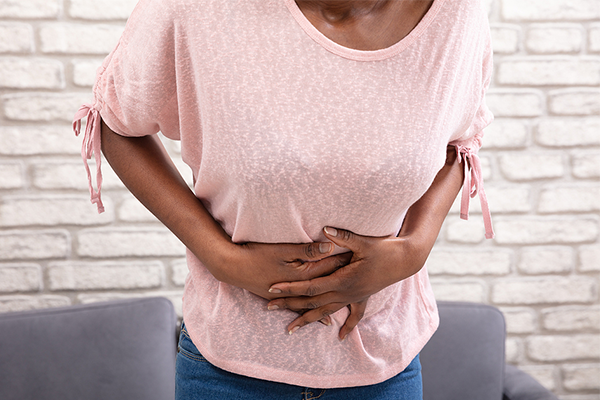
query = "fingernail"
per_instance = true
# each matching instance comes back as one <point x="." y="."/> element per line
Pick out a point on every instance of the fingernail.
<point x="294" y="329"/>
<point x="325" y="322"/>
<point x="344" y="338"/>
<point x="330" y="231"/>
<point x="325" y="247"/>
<point x="274" y="290"/>
<point x="273" y="307"/>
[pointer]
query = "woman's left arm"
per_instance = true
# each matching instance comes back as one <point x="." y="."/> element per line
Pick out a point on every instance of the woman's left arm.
<point x="377" y="262"/>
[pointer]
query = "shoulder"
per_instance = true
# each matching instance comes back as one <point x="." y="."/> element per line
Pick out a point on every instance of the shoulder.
<point x="463" y="12"/>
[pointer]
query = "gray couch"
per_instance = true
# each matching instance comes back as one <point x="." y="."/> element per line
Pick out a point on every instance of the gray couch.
<point x="126" y="350"/>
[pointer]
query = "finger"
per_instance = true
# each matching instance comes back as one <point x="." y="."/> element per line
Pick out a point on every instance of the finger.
<point x="328" y="265"/>
<point x="308" y="288"/>
<point x="298" y="254"/>
<point x="301" y="304"/>
<point x="344" y="238"/>
<point x="310" y="251"/>
<point x="357" y="311"/>
<point x="313" y="316"/>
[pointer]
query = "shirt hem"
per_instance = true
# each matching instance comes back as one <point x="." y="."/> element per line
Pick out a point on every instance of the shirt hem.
<point x="321" y="381"/>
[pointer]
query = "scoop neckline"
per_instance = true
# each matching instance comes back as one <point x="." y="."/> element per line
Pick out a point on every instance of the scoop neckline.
<point x="363" y="55"/>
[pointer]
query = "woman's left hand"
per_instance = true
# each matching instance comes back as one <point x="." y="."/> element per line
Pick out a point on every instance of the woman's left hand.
<point x="377" y="263"/>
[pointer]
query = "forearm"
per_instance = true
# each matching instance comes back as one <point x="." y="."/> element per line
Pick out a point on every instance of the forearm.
<point x="424" y="218"/>
<point x="148" y="172"/>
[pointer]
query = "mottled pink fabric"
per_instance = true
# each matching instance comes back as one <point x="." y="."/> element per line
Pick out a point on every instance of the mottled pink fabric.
<point x="287" y="132"/>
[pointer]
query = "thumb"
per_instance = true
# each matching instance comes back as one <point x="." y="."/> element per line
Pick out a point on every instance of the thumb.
<point x="343" y="238"/>
<point x="313" y="251"/>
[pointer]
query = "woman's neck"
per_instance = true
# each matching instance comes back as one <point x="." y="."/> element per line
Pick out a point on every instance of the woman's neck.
<point x="364" y="24"/>
<point x="334" y="11"/>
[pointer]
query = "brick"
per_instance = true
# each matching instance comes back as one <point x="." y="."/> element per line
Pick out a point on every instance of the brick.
<point x="523" y="166"/>
<point x="545" y="375"/>
<point x="101" y="9"/>
<point x="505" y="134"/>
<point x="570" y="198"/>
<point x="594" y="38"/>
<point x="501" y="199"/>
<point x="180" y="272"/>
<point x="131" y="210"/>
<point x="11" y="176"/>
<point x="72" y="175"/>
<point x="519" y="320"/>
<point x="581" y="377"/>
<point x="589" y="257"/>
<point x="84" y="72"/>
<point x="507" y="199"/>
<point x="486" y="166"/>
<point x="30" y="8"/>
<point x="20" y="278"/>
<point x="52" y="210"/>
<point x="545" y="230"/>
<point x="513" y="350"/>
<point x="128" y="242"/>
<point x="16" y="37"/>
<point x="43" y="106"/>
<point x="31" y="73"/>
<point x="554" y="38"/>
<point x="74" y="275"/>
<point x="572" y="318"/>
<point x="569" y="132"/>
<point x="30" y="140"/>
<point x="563" y="348"/>
<point x="26" y="303"/>
<point x="476" y="262"/>
<point x="549" y="70"/>
<point x="546" y="260"/>
<point x="66" y="38"/>
<point x="174" y="296"/>
<point x="515" y="103"/>
<point x="505" y="38"/>
<point x="461" y="231"/>
<point x="586" y="164"/>
<point x="550" y="10"/>
<point x="579" y="397"/>
<point x="33" y="245"/>
<point x="544" y="290"/>
<point x="60" y="175"/>
<point x="580" y="101"/>
<point x="459" y="290"/>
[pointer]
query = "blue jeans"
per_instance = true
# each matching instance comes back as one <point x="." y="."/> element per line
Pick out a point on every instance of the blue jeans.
<point x="197" y="379"/>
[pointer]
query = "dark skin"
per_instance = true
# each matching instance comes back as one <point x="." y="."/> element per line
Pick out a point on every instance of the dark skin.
<point x="365" y="24"/>
<point x="304" y="278"/>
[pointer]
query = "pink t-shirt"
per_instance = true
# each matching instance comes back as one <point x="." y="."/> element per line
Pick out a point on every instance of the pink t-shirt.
<point x="287" y="132"/>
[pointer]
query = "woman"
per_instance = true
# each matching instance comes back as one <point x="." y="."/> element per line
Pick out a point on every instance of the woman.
<point x="328" y="140"/>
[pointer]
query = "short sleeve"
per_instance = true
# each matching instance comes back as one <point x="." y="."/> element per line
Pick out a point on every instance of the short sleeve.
<point x="135" y="89"/>
<point x="469" y="142"/>
<point x="135" y="92"/>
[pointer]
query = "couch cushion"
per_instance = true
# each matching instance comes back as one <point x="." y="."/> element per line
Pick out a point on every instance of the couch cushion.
<point x="115" y="350"/>
<point x="465" y="357"/>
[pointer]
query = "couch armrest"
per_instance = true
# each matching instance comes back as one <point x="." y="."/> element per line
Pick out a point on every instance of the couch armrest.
<point x="519" y="385"/>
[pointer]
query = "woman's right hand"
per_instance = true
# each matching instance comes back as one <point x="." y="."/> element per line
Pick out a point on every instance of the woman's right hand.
<point x="257" y="266"/>
<point x="146" y="169"/>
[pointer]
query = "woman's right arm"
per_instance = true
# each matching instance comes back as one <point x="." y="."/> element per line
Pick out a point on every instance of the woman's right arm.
<point x="144" y="166"/>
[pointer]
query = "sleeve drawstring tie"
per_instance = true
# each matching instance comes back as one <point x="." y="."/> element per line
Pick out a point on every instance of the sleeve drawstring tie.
<point x="472" y="186"/>
<point x="91" y="145"/>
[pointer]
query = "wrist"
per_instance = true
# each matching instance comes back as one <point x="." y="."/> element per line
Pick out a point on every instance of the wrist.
<point x="413" y="252"/>
<point x="220" y="257"/>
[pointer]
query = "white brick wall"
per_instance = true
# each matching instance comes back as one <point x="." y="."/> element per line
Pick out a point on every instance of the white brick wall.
<point x="541" y="161"/>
